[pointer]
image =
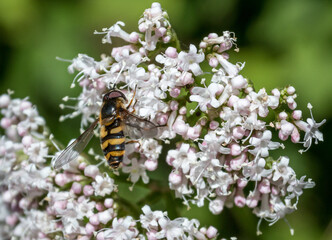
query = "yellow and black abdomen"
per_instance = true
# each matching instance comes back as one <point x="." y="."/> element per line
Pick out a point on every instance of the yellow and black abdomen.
<point x="113" y="142"/>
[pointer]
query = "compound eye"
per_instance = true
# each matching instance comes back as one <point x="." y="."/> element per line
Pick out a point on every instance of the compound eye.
<point x="114" y="94"/>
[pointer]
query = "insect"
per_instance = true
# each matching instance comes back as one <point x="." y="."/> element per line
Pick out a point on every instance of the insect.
<point x="116" y="122"/>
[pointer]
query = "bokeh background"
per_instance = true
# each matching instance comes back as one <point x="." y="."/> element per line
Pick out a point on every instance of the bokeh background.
<point x="282" y="42"/>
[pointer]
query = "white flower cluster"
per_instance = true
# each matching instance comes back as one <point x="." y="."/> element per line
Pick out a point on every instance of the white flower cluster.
<point x="36" y="202"/>
<point x="225" y="142"/>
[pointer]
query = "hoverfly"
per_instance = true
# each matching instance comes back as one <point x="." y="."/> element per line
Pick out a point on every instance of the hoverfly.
<point x="116" y="122"/>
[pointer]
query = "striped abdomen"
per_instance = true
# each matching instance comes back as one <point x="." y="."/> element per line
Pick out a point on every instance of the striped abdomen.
<point x="113" y="142"/>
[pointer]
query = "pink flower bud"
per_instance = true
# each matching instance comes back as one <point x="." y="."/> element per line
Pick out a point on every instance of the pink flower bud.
<point x="11" y="220"/>
<point x="239" y="198"/>
<point x="183" y="110"/>
<point x="171" y="52"/>
<point x="242" y="182"/>
<point x="297" y="114"/>
<point x="180" y="127"/>
<point x="174" y="105"/>
<point x="211" y="232"/>
<point x="5" y="123"/>
<point x="76" y="188"/>
<point x="100" y="236"/>
<point x="142" y="51"/>
<point x="239" y="82"/>
<point x="203" y="122"/>
<point x="162" y="118"/>
<point x="166" y="39"/>
<point x="82" y="166"/>
<point x="108" y="202"/>
<point x="142" y="27"/>
<point x="232" y="100"/>
<point x="290" y="90"/>
<point x="91" y="171"/>
<point x="292" y="105"/>
<point x="62" y="179"/>
<point x="295" y="136"/>
<point x="203" y="230"/>
<point x="243" y="106"/>
<point x="133" y="37"/>
<point x="212" y="35"/>
<point x="24" y="203"/>
<point x="160" y="31"/>
<point x="4" y="100"/>
<point x="252" y="200"/>
<point x="21" y="131"/>
<point x="94" y="219"/>
<point x="203" y="45"/>
<point x="155" y="10"/>
<point x="286" y="128"/>
<point x="235" y="149"/>
<point x="25" y="105"/>
<point x="89" y="228"/>
<point x="213" y="125"/>
<point x="175" y="178"/>
<point x="175" y="92"/>
<point x="213" y="62"/>
<point x="238" y="132"/>
<point x="275" y="92"/>
<point x="194" y="132"/>
<point x="100" y="207"/>
<point x="282" y="136"/>
<point x="186" y="78"/>
<point x="27" y="141"/>
<point x="264" y="186"/>
<point x="151" y="165"/>
<point x="88" y="190"/>
<point x="105" y="216"/>
<point x="283" y="116"/>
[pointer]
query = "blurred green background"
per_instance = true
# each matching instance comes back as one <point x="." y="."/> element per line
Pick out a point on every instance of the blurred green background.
<point x="282" y="42"/>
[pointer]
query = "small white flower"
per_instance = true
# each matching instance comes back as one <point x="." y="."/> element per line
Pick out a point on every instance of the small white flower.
<point x="171" y="229"/>
<point x="183" y="158"/>
<point x="114" y="31"/>
<point x="150" y="148"/>
<point x="263" y="144"/>
<point x="191" y="60"/>
<point x="206" y="97"/>
<point x="136" y="170"/>
<point x="121" y="229"/>
<point x="282" y="170"/>
<point x="255" y="171"/>
<point x="149" y="219"/>
<point x="296" y="186"/>
<point x="311" y="130"/>
<point x="37" y="152"/>
<point x="103" y="185"/>
<point x="259" y="102"/>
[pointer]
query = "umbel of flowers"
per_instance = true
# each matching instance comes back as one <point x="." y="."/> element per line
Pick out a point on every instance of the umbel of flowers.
<point x="214" y="117"/>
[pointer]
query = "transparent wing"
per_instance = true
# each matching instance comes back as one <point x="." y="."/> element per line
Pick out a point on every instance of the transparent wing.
<point x="136" y="127"/>
<point x="75" y="148"/>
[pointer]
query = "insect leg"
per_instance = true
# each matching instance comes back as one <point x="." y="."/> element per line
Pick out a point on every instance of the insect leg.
<point x="131" y="101"/>
<point x="133" y="141"/>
